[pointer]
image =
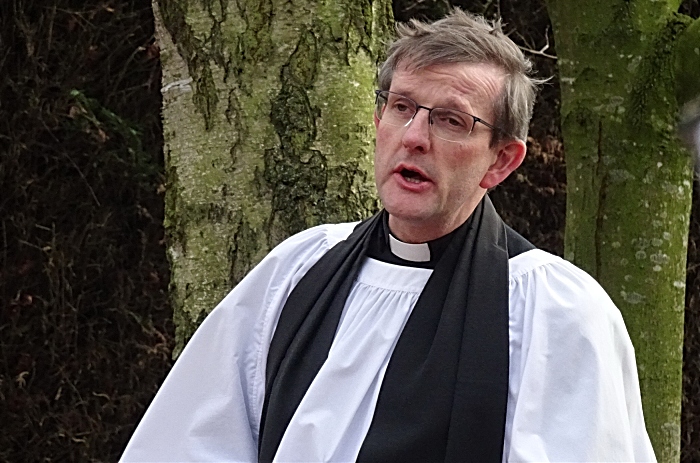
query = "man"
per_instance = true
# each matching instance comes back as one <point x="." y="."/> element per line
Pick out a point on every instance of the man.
<point x="430" y="332"/>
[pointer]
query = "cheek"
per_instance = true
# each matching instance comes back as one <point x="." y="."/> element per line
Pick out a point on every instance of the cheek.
<point x="382" y="150"/>
<point x="387" y="135"/>
<point x="380" y="166"/>
<point x="464" y="176"/>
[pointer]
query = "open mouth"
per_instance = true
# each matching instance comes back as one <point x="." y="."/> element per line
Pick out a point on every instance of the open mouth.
<point x="412" y="176"/>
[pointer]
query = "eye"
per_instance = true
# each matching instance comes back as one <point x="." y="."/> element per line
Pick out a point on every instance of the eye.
<point x="401" y="105"/>
<point x="453" y="121"/>
<point x="450" y="120"/>
<point x="398" y="102"/>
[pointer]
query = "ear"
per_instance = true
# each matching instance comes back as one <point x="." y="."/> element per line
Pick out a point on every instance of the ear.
<point x="376" y="120"/>
<point x="510" y="155"/>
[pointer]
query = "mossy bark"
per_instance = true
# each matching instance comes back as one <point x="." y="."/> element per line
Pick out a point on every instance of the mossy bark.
<point x="629" y="181"/>
<point x="267" y="113"/>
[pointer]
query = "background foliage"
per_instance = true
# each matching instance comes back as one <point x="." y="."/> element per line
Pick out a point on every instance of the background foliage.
<point x="85" y="330"/>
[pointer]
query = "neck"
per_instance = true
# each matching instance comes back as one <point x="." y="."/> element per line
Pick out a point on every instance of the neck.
<point x="416" y="233"/>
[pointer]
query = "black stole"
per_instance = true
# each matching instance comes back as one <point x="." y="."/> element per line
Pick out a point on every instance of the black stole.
<point x="445" y="391"/>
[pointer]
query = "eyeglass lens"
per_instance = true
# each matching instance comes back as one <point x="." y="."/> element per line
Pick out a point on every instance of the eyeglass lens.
<point x="448" y="124"/>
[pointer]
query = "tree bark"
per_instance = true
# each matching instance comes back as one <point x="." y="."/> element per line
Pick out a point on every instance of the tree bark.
<point x="629" y="181"/>
<point x="267" y="113"/>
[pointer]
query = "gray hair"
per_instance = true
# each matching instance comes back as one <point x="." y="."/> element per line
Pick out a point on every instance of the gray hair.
<point x="465" y="38"/>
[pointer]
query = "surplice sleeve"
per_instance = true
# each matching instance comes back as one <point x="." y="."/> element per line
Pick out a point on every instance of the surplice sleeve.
<point x="208" y="408"/>
<point x="574" y="391"/>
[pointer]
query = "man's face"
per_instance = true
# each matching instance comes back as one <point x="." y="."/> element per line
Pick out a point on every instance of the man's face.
<point x="429" y="185"/>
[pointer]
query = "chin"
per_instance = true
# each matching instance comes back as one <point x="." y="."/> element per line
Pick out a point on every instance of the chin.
<point x="409" y="214"/>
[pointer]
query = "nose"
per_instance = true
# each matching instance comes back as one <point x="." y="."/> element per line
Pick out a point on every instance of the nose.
<point x="416" y="138"/>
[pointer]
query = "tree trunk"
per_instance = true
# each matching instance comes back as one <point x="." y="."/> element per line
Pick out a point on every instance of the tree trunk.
<point x="267" y="113"/>
<point x="629" y="181"/>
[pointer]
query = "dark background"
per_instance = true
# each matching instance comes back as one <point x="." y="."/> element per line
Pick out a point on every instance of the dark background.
<point x="85" y="323"/>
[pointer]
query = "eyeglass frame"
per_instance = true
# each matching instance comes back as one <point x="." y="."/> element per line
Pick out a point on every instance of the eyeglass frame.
<point x="430" y="111"/>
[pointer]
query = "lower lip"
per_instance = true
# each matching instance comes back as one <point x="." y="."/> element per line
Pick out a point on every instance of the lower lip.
<point x="411" y="186"/>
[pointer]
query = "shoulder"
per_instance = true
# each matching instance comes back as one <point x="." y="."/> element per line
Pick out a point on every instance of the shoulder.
<point x="550" y="290"/>
<point x="537" y="260"/>
<point x="540" y="268"/>
<point x="573" y="380"/>
<point x="296" y="254"/>
<point x="318" y="238"/>
<point x="287" y="263"/>
<point x="267" y="285"/>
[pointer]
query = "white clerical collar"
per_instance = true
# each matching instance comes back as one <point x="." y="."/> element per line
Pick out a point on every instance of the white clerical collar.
<point x="412" y="252"/>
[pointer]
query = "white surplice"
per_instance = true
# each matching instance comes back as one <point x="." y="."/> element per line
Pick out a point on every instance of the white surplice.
<point x="573" y="387"/>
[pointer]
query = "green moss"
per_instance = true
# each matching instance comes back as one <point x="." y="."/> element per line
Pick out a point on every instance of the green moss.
<point x="322" y="125"/>
<point x="628" y="182"/>
<point x="200" y="53"/>
<point x="652" y="96"/>
<point x="274" y="137"/>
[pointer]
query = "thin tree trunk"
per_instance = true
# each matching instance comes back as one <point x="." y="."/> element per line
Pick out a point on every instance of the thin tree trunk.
<point x="629" y="181"/>
<point x="268" y="130"/>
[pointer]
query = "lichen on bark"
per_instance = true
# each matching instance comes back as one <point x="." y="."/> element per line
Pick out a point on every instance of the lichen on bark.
<point x="629" y="181"/>
<point x="268" y="130"/>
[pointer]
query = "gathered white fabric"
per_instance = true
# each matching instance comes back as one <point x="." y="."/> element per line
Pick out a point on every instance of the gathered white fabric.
<point x="573" y="387"/>
<point x="333" y="418"/>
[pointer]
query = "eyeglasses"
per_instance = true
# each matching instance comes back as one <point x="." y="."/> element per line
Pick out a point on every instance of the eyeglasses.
<point x="447" y="124"/>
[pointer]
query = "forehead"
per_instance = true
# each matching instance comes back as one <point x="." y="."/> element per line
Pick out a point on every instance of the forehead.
<point x="478" y="84"/>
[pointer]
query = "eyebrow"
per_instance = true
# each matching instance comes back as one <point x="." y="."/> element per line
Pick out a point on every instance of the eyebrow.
<point x="451" y="103"/>
<point x="458" y="105"/>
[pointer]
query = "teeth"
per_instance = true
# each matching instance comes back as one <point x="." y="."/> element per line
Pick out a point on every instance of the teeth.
<point x="412" y="176"/>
